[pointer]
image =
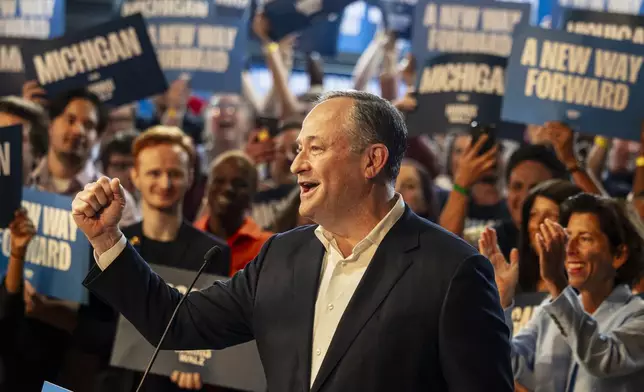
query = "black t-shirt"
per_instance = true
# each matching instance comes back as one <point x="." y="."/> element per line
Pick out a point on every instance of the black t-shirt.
<point x="478" y="215"/>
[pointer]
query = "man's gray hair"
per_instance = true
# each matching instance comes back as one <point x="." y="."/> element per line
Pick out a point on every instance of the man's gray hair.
<point x="375" y="120"/>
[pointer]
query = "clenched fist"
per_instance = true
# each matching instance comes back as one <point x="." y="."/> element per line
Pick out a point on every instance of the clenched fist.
<point x="97" y="211"/>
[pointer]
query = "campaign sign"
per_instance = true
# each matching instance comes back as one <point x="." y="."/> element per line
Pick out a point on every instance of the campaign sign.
<point x="398" y="15"/>
<point x="32" y="18"/>
<point x="289" y="16"/>
<point x="49" y="387"/>
<point x="204" y="39"/>
<point x="620" y="27"/>
<point x="12" y="69"/>
<point x="524" y="306"/>
<point x="10" y="173"/>
<point x="360" y="21"/>
<point x="456" y="89"/>
<point x="466" y="26"/>
<point x="114" y="60"/>
<point x="237" y="367"/>
<point x="630" y="7"/>
<point x="591" y="84"/>
<point x="57" y="258"/>
<point x="321" y="37"/>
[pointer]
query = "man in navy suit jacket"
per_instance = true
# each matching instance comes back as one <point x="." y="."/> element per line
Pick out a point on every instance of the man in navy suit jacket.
<point x="373" y="298"/>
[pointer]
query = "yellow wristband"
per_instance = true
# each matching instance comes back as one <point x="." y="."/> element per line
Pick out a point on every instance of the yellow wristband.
<point x="601" y="141"/>
<point x="639" y="162"/>
<point x="272" y="47"/>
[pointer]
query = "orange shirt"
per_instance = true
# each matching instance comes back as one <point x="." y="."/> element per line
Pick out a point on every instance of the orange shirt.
<point x="244" y="245"/>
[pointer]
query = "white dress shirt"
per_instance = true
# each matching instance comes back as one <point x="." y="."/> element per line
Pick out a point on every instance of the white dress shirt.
<point x="340" y="277"/>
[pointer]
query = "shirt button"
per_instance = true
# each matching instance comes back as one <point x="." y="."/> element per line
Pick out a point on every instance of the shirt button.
<point x="344" y="263"/>
<point x="330" y="307"/>
<point x="318" y="352"/>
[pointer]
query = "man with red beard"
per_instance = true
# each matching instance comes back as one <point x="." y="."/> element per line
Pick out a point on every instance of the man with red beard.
<point x="163" y="161"/>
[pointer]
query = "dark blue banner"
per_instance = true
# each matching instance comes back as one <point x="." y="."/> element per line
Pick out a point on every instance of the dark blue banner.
<point x="456" y="89"/>
<point x="321" y="37"/>
<point x="10" y="173"/>
<point x="206" y="40"/>
<point x="32" y="18"/>
<point x="592" y="84"/>
<point x="115" y="60"/>
<point x="620" y="27"/>
<point x="288" y="16"/>
<point x="466" y="26"/>
<point x="57" y="258"/>
<point x="616" y="6"/>
<point x="12" y="68"/>
<point x="398" y="15"/>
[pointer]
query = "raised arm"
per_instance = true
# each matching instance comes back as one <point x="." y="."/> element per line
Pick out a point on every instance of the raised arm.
<point x="214" y="318"/>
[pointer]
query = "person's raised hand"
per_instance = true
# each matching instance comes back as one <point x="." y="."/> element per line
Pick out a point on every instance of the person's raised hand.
<point x="562" y="139"/>
<point x="184" y="380"/>
<point x="32" y="91"/>
<point x="22" y="231"/>
<point x="474" y="166"/>
<point x="260" y="147"/>
<point x="262" y="27"/>
<point x="551" y="249"/>
<point x="506" y="274"/>
<point x="97" y="211"/>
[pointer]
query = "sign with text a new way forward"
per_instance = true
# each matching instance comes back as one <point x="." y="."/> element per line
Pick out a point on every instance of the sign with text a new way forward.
<point x="57" y="258"/>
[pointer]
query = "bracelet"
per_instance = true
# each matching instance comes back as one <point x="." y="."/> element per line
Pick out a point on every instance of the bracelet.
<point x="461" y="190"/>
<point x="639" y="162"/>
<point x="272" y="47"/>
<point x="601" y="141"/>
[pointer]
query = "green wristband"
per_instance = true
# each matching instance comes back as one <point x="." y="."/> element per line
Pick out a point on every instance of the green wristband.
<point x="461" y="190"/>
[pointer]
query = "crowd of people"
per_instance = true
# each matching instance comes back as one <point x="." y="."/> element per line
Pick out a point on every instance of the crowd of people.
<point x="550" y="214"/>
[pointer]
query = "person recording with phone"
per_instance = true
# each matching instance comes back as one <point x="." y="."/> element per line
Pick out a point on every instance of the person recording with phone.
<point x="476" y="198"/>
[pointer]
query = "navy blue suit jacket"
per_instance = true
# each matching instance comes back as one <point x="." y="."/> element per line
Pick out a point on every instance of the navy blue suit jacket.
<point x="425" y="317"/>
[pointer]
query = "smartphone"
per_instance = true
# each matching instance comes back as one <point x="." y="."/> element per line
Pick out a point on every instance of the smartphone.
<point x="267" y="127"/>
<point x="477" y="130"/>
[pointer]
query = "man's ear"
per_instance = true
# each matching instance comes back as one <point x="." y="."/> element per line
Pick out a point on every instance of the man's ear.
<point x="376" y="157"/>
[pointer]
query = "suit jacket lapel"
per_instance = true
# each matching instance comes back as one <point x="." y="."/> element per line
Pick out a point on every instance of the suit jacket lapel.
<point x="306" y="280"/>
<point x="385" y="269"/>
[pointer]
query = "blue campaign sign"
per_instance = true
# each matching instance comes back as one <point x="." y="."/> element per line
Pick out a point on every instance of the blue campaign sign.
<point x="288" y="16"/>
<point x="205" y="40"/>
<point x="10" y="173"/>
<point x="398" y="15"/>
<point x="115" y="60"/>
<point x="360" y="21"/>
<point x="592" y="84"/>
<point x="321" y="37"/>
<point x="456" y="89"/>
<point x="32" y="18"/>
<point x="57" y="258"/>
<point x="12" y="69"/>
<point x="466" y="26"/>
<point x="620" y="27"/>
<point x="631" y="7"/>
<point x="49" y="387"/>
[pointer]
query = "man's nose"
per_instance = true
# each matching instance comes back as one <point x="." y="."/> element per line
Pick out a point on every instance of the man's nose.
<point x="165" y="181"/>
<point x="299" y="164"/>
<point x="78" y="129"/>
